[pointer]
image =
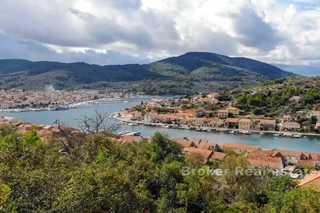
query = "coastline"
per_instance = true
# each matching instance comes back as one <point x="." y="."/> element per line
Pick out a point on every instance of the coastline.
<point x="213" y="129"/>
<point x="70" y="106"/>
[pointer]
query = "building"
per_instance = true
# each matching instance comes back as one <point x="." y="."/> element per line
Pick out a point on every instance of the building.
<point x="266" y="159"/>
<point x="245" y="124"/>
<point x="239" y="148"/>
<point x="291" y="126"/>
<point x="317" y="127"/>
<point x="267" y="124"/>
<point x="231" y="123"/>
<point x="184" y="142"/>
<point x="223" y="113"/>
<point x="311" y="180"/>
<point x="206" y="154"/>
<point x="210" y="146"/>
<point x="287" y="118"/>
<point x="315" y="113"/>
<point x="233" y="110"/>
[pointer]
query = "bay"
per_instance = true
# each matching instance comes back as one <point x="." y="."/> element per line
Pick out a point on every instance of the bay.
<point x="71" y="118"/>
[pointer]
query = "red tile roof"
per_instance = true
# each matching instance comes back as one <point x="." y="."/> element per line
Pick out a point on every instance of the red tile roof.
<point x="312" y="179"/>
<point x="183" y="142"/>
<point x="246" y="147"/>
<point x="205" y="153"/>
<point x="218" y="155"/>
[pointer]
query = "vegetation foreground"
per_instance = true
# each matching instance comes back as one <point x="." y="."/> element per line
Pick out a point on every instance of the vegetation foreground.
<point x="100" y="175"/>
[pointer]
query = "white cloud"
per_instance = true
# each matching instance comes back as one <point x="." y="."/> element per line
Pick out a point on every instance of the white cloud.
<point x="270" y="30"/>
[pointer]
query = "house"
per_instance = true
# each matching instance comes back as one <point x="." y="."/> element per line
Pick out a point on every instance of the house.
<point x="291" y="157"/>
<point x="267" y="124"/>
<point x="206" y="154"/>
<point x="212" y="122"/>
<point x="245" y="124"/>
<point x="200" y="142"/>
<point x="207" y="100"/>
<point x="317" y="127"/>
<point x="287" y="118"/>
<point x="233" y="110"/>
<point x="184" y="142"/>
<point x="210" y="146"/>
<point x="223" y="113"/>
<point x="218" y="156"/>
<point x="231" y="122"/>
<point x="266" y="159"/>
<point x="150" y="117"/>
<point x="239" y="148"/>
<point x="290" y="126"/>
<point x="311" y="180"/>
<point x="315" y="113"/>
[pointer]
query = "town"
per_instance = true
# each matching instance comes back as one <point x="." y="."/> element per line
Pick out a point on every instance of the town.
<point x="16" y="100"/>
<point x="211" y="113"/>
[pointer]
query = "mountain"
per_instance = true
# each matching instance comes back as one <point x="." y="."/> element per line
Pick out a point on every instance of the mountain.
<point x="188" y="73"/>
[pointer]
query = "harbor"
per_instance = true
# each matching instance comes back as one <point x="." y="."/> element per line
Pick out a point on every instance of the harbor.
<point x="217" y="135"/>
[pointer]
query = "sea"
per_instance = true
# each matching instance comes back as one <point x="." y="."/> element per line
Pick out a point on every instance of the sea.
<point x="73" y="116"/>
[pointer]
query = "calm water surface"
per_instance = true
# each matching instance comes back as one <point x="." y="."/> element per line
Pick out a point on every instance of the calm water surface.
<point x="69" y="118"/>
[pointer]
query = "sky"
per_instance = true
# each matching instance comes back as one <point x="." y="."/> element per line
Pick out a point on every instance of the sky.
<point x="141" y="31"/>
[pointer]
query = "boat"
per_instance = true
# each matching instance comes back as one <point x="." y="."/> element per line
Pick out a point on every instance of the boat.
<point x="231" y="132"/>
<point x="130" y="124"/>
<point x="261" y="133"/>
<point x="296" y="136"/>
<point x="52" y="108"/>
<point x="199" y="129"/>
<point x="167" y="127"/>
<point x="147" y="124"/>
<point x="126" y="102"/>
<point x="279" y="135"/>
<point x="209" y="130"/>
<point x="187" y="128"/>
<point x="247" y="132"/>
<point x="133" y="134"/>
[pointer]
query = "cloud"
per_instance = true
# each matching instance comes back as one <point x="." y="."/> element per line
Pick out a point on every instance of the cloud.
<point x="253" y="31"/>
<point x="129" y="31"/>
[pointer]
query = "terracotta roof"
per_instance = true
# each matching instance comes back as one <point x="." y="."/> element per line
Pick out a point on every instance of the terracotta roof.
<point x="232" y="120"/>
<point x="208" y="146"/>
<point x="223" y="111"/>
<point x="265" y="160"/>
<point x="183" y="142"/>
<point x="218" y="155"/>
<point x="198" y="142"/>
<point x="316" y="111"/>
<point x="205" y="153"/>
<point x="232" y="108"/>
<point x="271" y="153"/>
<point x="241" y="146"/>
<point x="291" y="153"/>
<point x="129" y="138"/>
<point x="291" y="123"/>
<point x="312" y="179"/>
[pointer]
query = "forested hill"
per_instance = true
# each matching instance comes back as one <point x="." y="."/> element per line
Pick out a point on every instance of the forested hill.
<point x="194" y="71"/>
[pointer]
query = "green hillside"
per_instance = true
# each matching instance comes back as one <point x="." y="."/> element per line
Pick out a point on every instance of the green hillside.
<point x="187" y="73"/>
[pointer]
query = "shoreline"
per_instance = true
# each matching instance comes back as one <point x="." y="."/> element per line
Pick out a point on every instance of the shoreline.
<point x="215" y="129"/>
<point x="71" y="106"/>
